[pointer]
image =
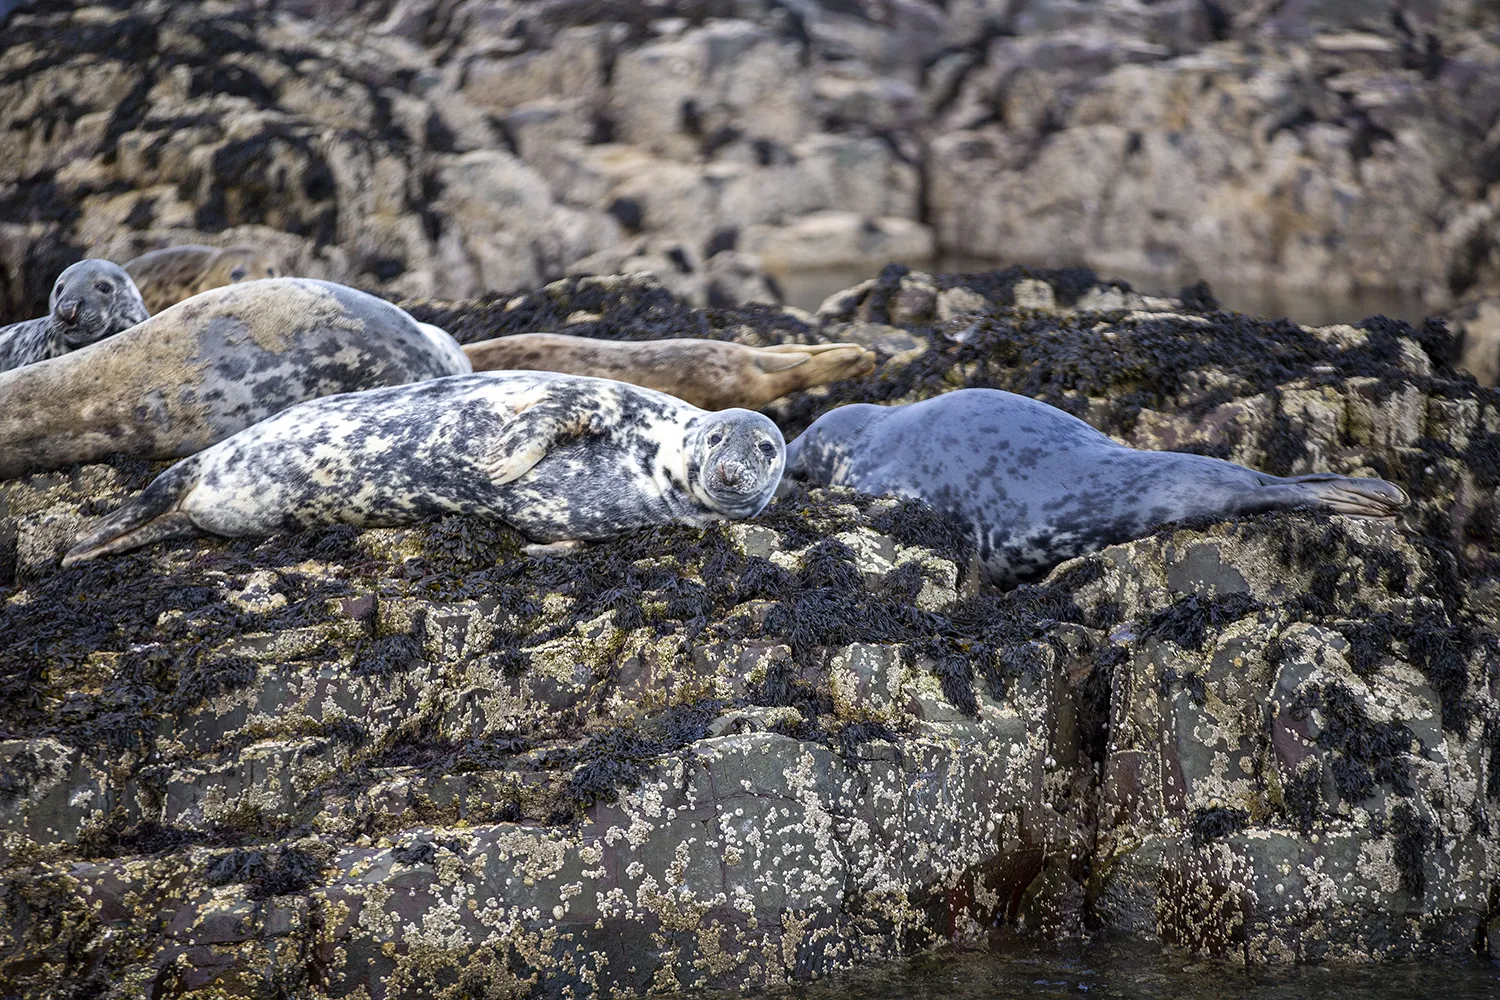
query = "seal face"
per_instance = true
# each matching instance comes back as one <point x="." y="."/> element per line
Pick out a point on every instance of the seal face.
<point x="712" y="374"/>
<point x="168" y="276"/>
<point x="559" y="457"/>
<point x="1037" y="486"/>
<point x="90" y="300"/>
<point x="210" y="367"/>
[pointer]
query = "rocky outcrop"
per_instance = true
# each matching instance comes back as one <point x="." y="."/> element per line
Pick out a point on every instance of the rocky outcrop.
<point x="452" y="147"/>
<point x="419" y="763"/>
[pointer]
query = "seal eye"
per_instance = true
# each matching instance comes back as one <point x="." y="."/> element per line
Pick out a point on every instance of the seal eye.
<point x="237" y="274"/>
<point x="103" y="287"/>
<point x="270" y="272"/>
<point x="767" y="449"/>
<point x="715" y="438"/>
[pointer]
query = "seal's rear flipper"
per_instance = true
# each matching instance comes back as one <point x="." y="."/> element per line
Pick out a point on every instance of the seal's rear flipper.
<point x="151" y="517"/>
<point x="829" y="362"/>
<point x="1343" y="495"/>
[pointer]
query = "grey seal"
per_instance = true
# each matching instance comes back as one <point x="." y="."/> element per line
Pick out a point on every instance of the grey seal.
<point x="167" y="276"/>
<point x="209" y="367"/>
<point x="713" y="374"/>
<point x="1037" y="486"/>
<point x="90" y="300"/>
<point x="561" y="458"/>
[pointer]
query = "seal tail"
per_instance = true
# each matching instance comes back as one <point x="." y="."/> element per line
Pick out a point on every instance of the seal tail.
<point x="155" y="515"/>
<point x="1374" y="498"/>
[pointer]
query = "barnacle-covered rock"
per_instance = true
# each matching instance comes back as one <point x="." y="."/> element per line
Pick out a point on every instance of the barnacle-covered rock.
<point x="399" y="762"/>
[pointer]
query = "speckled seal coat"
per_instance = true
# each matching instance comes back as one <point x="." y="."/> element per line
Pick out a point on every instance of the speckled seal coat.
<point x="90" y="300"/>
<point x="209" y="367"/>
<point x="167" y="276"/>
<point x="712" y="374"/>
<point x="559" y="457"/>
<point x="1037" y="485"/>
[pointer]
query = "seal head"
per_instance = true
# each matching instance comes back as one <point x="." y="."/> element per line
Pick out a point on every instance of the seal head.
<point x="734" y="460"/>
<point x="167" y="276"/>
<point x="94" y="299"/>
<point x="236" y="264"/>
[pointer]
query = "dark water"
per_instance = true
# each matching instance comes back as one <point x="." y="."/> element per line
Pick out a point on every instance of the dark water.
<point x="1139" y="972"/>
<point x="808" y="288"/>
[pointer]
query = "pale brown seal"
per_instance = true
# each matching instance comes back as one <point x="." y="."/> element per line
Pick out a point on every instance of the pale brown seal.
<point x="711" y="374"/>
<point x="209" y="367"/>
<point x="559" y="457"/>
<point x="166" y="277"/>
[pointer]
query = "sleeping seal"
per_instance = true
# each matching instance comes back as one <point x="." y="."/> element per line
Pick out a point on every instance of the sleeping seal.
<point x="208" y="367"/>
<point x="559" y="457"/>
<point x="1037" y="485"/>
<point x="91" y="300"/>
<point x="166" y="277"/>
<point x="712" y="374"/>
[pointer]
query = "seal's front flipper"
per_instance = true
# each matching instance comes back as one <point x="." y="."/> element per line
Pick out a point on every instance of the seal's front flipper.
<point x="151" y="517"/>
<point x="1343" y="495"/>
<point x="538" y="426"/>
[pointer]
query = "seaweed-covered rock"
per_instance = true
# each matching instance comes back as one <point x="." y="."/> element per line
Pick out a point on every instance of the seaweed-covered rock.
<point x="399" y="762"/>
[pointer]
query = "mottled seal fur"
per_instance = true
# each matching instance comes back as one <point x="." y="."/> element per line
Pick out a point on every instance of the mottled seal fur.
<point x="1037" y="485"/>
<point x="166" y="277"/>
<point x="209" y="367"/>
<point x="712" y="374"/>
<point x="91" y="300"/>
<point x="559" y="457"/>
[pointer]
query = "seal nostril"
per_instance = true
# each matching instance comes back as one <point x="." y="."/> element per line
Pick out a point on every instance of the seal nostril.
<point x="68" y="311"/>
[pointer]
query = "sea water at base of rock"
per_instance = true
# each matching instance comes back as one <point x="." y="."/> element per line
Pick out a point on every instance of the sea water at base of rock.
<point x="1142" y="972"/>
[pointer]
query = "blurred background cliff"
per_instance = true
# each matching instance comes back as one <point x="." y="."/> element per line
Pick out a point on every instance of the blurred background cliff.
<point x="1320" y="157"/>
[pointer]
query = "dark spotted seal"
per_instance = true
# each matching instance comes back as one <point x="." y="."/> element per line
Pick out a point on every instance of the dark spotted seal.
<point x="208" y="367"/>
<point x="1037" y="486"/>
<point x="713" y="374"/>
<point x="166" y="277"/>
<point x="559" y="457"/>
<point x="91" y="300"/>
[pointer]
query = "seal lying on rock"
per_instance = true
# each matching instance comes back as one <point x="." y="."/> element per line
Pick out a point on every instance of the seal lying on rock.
<point x="1037" y="485"/>
<point x="712" y="374"/>
<point x="91" y="300"/>
<point x="559" y="457"/>
<point x="208" y="367"/>
<point x="166" y="277"/>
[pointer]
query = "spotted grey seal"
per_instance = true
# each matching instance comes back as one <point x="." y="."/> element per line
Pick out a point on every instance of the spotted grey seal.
<point x="561" y="458"/>
<point x="711" y="374"/>
<point x="91" y="300"/>
<point x="1036" y="485"/>
<point x="167" y="276"/>
<point x="208" y="367"/>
